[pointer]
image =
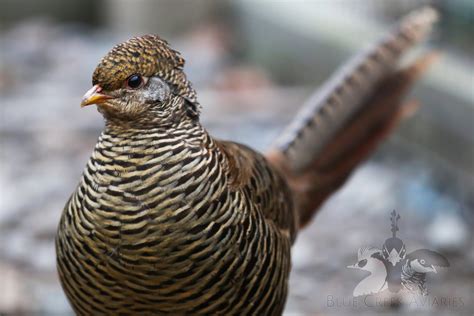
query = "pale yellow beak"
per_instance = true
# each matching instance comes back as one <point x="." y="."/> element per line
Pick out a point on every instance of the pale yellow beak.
<point x="93" y="96"/>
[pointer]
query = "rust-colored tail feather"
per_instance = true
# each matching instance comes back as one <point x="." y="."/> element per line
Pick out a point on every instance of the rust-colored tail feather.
<point x="345" y="121"/>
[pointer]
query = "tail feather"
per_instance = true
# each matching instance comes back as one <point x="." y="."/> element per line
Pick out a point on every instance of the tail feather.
<point x="345" y="121"/>
<point x="347" y="90"/>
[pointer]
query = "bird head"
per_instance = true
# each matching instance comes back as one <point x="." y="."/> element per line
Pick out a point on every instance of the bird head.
<point x="142" y="82"/>
<point x="393" y="250"/>
<point x="368" y="259"/>
<point x="425" y="261"/>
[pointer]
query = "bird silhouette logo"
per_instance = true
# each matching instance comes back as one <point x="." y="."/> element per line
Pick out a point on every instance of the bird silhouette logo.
<point x="393" y="269"/>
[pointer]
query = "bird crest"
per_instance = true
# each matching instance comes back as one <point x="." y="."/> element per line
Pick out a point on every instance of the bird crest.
<point x="394" y="217"/>
<point x="146" y="55"/>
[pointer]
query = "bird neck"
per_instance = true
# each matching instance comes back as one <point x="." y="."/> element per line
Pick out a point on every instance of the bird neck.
<point x="122" y="152"/>
<point x="119" y="136"/>
<point x="174" y="113"/>
<point x="407" y="268"/>
<point x="373" y="283"/>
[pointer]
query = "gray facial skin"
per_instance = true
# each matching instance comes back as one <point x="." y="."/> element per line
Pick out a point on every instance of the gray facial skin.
<point x="156" y="90"/>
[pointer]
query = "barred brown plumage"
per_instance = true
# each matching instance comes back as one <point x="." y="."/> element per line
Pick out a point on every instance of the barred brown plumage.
<point x="149" y="228"/>
<point x="168" y="220"/>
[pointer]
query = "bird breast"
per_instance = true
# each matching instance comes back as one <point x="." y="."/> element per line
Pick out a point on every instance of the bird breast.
<point x="137" y="196"/>
<point x="160" y="229"/>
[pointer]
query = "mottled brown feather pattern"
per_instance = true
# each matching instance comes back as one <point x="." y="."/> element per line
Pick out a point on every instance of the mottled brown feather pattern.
<point x="157" y="227"/>
<point x="166" y="220"/>
<point x="347" y="91"/>
<point x="146" y="55"/>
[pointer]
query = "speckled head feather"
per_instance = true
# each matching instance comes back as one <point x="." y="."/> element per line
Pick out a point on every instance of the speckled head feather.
<point x="147" y="55"/>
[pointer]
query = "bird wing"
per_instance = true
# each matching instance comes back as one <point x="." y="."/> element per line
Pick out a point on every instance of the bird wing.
<point x="250" y="173"/>
<point x="344" y="121"/>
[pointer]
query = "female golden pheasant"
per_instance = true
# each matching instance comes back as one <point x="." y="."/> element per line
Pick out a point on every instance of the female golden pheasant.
<point x="168" y="220"/>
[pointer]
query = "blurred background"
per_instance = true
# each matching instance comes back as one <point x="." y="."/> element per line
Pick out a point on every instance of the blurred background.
<point x="253" y="63"/>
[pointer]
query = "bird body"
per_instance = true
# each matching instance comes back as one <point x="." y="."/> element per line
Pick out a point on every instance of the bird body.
<point x="168" y="220"/>
<point x="415" y="267"/>
<point x="161" y="226"/>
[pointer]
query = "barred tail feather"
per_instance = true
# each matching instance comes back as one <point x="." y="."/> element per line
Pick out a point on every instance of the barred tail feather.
<point x="350" y="115"/>
<point x="344" y="93"/>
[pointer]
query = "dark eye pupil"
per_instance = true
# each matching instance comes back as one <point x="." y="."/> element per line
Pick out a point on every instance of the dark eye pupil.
<point x="362" y="263"/>
<point x="134" y="81"/>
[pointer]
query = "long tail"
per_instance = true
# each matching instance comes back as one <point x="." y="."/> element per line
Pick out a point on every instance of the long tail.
<point x="344" y="121"/>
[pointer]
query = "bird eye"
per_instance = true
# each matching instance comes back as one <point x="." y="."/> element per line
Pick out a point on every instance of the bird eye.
<point x="134" y="81"/>
<point x="422" y="261"/>
<point x="362" y="263"/>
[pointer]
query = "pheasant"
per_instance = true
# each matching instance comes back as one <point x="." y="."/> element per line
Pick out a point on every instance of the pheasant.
<point x="167" y="219"/>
